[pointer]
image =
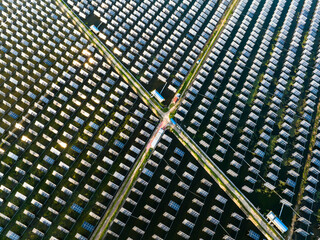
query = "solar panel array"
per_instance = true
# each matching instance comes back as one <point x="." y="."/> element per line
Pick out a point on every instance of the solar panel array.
<point x="253" y="105"/>
<point x="179" y="200"/>
<point x="71" y="128"/>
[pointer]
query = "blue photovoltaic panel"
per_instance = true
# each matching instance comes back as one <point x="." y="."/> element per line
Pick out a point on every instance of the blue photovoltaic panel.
<point x="44" y="99"/>
<point x="24" y="42"/>
<point x="3" y="48"/>
<point x="205" y="35"/>
<point x="48" y="62"/>
<point x="174" y="205"/>
<point x="307" y="117"/>
<point x="189" y="224"/>
<point x="78" y="150"/>
<point x="189" y="36"/>
<point x="176" y="83"/>
<point x="97" y="146"/>
<point x="179" y="152"/>
<point x="147" y="172"/>
<point x="79" y="120"/>
<point x="88" y="226"/>
<point x="118" y="144"/>
<point x="13" y="115"/>
<point x="250" y="14"/>
<point x="32" y="95"/>
<point x="254" y="235"/>
<point x="12" y="235"/>
<point x="56" y="39"/>
<point x="94" y="125"/>
<point x="48" y="159"/>
<point x="77" y="208"/>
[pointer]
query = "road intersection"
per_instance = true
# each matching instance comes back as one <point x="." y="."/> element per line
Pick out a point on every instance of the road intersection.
<point x="165" y="123"/>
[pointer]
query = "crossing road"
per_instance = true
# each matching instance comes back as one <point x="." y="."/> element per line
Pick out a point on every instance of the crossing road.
<point x="228" y="186"/>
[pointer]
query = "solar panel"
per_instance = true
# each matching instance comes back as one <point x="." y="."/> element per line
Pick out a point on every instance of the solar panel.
<point x="13" y="115"/>
<point x="174" y="205"/>
<point x="12" y="235"/>
<point x="77" y="208"/>
<point x="78" y="150"/>
<point x="94" y="125"/>
<point x="48" y="62"/>
<point x="48" y="159"/>
<point x="147" y="172"/>
<point x="89" y="227"/>
<point x="254" y="235"/>
<point x="179" y="152"/>
<point x="118" y="144"/>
